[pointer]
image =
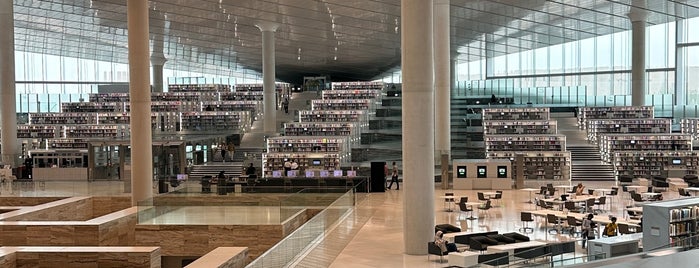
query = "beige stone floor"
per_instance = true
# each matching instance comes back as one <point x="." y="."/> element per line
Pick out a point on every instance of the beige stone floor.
<point x="371" y="238"/>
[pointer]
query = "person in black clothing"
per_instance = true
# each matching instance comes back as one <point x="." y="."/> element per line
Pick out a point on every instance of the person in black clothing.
<point x="285" y="103"/>
<point x="251" y="171"/>
<point x="493" y="99"/>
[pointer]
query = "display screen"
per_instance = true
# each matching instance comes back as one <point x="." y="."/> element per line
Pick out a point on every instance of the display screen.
<point x="337" y="173"/>
<point x="482" y="172"/>
<point x="181" y="177"/>
<point x="351" y="173"/>
<point x="324" y="173"/>
<point x="276" y="174"/>
<point x="676" y="161"/>
<point x="310" y="174"/>
<point x="316" y="162"/>
<point x="461" y="172"/>
<point x="502" y="172"/>
<point x="292" y="173"/>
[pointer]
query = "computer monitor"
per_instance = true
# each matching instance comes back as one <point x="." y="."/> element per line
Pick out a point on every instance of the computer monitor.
<point x="324" y="173"/>
<point x="292" y="173"/>
<point x="276" y="174"/>
<point x="337" y="173"/>
<point x="181" y="177"/>
<point x="351" y="173"/>
<point x="310" y="174"/>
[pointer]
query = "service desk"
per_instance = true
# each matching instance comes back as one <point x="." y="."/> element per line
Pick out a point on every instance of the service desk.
<point x="613" y="246"/>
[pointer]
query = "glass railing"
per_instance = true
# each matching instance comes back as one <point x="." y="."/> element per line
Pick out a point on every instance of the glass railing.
<point x="36" y="188"/>
<point x="310" y="233"/>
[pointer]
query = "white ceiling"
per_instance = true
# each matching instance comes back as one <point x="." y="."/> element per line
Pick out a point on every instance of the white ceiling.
<point x="346" y="39"/>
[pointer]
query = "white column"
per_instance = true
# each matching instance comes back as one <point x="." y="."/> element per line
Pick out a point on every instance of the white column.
<point x="418" y="125"/>
<point x="268" y="76"/>
<point x="139" y="89"/>
<point x="638" y="53"/>
<point x="10" y="147"/>
<point x="442" y="78"/>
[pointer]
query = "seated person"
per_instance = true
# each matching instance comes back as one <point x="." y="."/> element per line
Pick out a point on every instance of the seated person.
<point x="611" y="228"/>
<point x="443" y="244"/>
<point x="580" y="190"/>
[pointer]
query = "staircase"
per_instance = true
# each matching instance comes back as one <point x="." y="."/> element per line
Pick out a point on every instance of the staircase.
<point x="466" y="130"/>
<point x="383" y="140"/>
<point x="588" y="166"/>
<point x="586" y="160"/>
<point x="233" y="169"/>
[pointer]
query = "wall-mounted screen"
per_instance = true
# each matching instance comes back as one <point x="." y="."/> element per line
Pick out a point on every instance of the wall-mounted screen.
<point x="677" y="161"/>
<point x="316" y="162"/>
<point x="481" y="172"/>
<point x="461" y="171"/>
<point x="502" y="171"/>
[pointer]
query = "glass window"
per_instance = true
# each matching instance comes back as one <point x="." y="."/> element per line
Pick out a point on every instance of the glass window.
<point x="603" y="53"/>
<point x="556" y="59"/>
<point x="587" y="55"/>
<point x="541" y="60"/>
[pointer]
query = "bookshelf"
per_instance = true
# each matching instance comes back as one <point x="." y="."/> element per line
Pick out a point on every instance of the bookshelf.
<point x="215" y="121"/>
<point x="609" y="143"/>
<point x="614" y="112"/>
<point x="62" y="118"/>
<point x="309" y="144"/>
<point x="655" y="163"/>
<point x="359" y="116"/>
<point x="239" y="105"/>
<point x="198" y="88"/>
<point x="351" y="94"/>
<point x="93" y="107"/>
<point x="690" y="126"/>
<point x="327" y="129"/>
<point x="186" y="96"/>
<point x="240" y="95"/>
<point x="538" y="165"/>
<point x="495" y="127"/>
<point x="526" y="113"/>
<point x="621" y="126"/>
<point x="95" y="131"/>
<point x="356" y="104"/>
<point x="551" y="142"/>
<point x="315" y="161"/>
<point x="67" y="143"/>
<point x="358" y="85"/>
<point x="669" y="222"/>
<point x="36" y="131"/>
<point x="280" y="87"/>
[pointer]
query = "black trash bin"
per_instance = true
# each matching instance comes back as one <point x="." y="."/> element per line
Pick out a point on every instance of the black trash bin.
<point x="162" y="185"/>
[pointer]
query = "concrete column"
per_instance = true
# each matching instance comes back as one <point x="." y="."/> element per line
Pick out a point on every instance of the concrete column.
<point x="268" y="76"/>
<point x="10" y="147"/>
<point x="638" y="53"/>
<point x="157" y="76"/>
<point x="442" y="77"/>
<point x="139" y="89"/>
<point x="418" y="125"/>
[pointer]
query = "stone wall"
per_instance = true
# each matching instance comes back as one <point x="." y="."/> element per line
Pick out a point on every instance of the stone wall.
<point x="68" y="209"/>
<point x="222" y="257"/>
<point x="13" y="201"/>
<point x="103" y="205"/>
<point x="51" y="257"/>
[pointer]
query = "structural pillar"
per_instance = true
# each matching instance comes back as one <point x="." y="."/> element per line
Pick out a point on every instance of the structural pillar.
<point x="157" y="75"/>
<point x="139" y="89"/>
<point x="10" y="147"/>
<point x="637" y="15"/>
<point x="268" y="76"/>
<point x="442" y="87"/>
<point x="418" y="125"/>
<point x="157" y="57"/>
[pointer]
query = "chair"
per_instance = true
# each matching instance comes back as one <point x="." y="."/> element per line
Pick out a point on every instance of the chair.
<point x="498" y="196"/>
<point x="570" y="206"/>
<point x="591" y="191"/>
<point x="601" y="201"/>
<point x="573" y="224"/>
<point x="625" y="179"/>
<point x="481" y="197"/>
<point x="448" y="201"/>
<point x="633" y="215"/>
<point x="526" y="217"/>
<point x="574" y="190"/>
<point x="542" y="190"/>
<point x="552" y="191"/>
<point x="589" y="204"/>
<point x="543" y="204"/>
<point x="683" y="192"/>
<point x="433" y="249"/>
<point x="623" y="229"/>
<point x="485" y="207"/>
<point x="552" y="219"/>
<point x="464" y="208"/>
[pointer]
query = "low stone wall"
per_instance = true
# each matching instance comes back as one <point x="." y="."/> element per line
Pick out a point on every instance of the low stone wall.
<point x="222" y="257"/>
<point x="13" y="201"/>
<point x="103" y="205"/>
<point x="67" y="209"/>
<point x="51" y="257"/>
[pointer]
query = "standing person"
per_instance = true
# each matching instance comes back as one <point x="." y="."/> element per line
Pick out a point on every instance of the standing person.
<point x="231" y="149"/>
<point x="286" y="105"/>
<point x="385" y="174"/>
<point x="251" y="171"/>
<point x="394" y="177"/>
<point x="611" y="228"/>
<point x="493" y="99"/>
<point x="588" y="229"/>
<point x="223" y="153"/>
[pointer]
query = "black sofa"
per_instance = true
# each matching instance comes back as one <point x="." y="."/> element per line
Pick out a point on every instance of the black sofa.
<point x="482" y="242"/>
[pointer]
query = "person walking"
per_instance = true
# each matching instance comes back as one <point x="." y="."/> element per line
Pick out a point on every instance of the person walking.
<point x="588" y="229"/>
<point x="385" y="174"/>
<point x="394" y="177"/>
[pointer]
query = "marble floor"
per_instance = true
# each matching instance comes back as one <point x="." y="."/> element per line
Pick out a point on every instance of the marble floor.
<point x="372" y="236"/>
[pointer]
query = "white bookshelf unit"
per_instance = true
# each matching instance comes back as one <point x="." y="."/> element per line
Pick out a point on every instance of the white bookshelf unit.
<point x="496" y="127"/>
<point x="526" y="113"/>
<point x="345" y="94"/>
<point x="690" y="126"/>
<point x="352" y="104"/>
<point x="198" y="88"/>
<point x="670" y="222"/>
<point x="326" y="129"/>
<point x="215" y="121"/>
<point x="538" y="165"/>
<point x="306" y="161"/>
<point x="609" y="143"/>
<point x="613" y="112"/>
<point x="95" y="131"/>
<point x="554" y="142"/>
<point x="358" y="85"/>
<point x="655" y="163"/>
<point x="360" y="116"/>
<point x="597" y="127"/>
<point x="93" y="107"/>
